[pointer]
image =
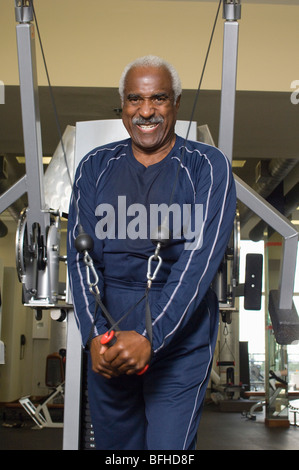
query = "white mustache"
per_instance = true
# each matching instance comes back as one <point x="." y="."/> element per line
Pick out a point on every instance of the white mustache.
<point x="140" y="121"/>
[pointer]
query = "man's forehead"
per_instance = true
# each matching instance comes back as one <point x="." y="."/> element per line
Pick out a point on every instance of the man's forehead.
<point x="148" y="75"/>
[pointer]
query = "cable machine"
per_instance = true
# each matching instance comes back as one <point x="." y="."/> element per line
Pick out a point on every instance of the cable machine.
<point x="38" y="233"/>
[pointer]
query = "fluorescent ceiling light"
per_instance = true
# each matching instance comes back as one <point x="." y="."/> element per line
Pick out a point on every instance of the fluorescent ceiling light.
<point x="238" y="163"/>
<point x="46" y="160"/>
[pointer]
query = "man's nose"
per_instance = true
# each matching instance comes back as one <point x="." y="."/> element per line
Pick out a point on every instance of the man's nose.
<point x="146" y="109"/>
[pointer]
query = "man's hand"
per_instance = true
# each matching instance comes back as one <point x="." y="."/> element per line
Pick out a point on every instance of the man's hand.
<point x="99" y="364"/>
<point x="130" y="354"/>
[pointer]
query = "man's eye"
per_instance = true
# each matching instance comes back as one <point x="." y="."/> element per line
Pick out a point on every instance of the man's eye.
<point x="160" y="99"/>
<point x="133" y="99"/>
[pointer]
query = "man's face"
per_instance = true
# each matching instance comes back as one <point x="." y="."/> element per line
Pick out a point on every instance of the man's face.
<point x="149" y="111"/>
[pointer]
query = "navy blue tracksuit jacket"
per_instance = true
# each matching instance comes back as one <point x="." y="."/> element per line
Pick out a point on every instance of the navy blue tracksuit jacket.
<point x="118" y="202"/>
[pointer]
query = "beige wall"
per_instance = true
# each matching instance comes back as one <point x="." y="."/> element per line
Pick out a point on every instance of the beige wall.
<point x="87" y="43"/>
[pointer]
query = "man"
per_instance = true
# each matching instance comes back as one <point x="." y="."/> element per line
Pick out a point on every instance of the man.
<point x="158" y="409"/>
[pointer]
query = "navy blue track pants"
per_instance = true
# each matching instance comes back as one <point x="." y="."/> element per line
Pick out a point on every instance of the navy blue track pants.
<point x="161" y="409"/>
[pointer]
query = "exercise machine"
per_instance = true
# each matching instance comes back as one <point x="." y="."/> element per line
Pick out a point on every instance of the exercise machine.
<point x="55" y="373"/>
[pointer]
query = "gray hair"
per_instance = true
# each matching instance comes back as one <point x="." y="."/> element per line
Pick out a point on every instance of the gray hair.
<point x="152" y="61"/>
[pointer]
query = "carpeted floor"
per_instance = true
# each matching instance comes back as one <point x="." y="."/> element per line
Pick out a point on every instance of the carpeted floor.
<point x="217" y="431"/>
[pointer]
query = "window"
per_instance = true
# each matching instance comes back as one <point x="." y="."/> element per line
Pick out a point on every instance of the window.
<point x="252" y="322"/>
<point x="293" y="350"/>
<point x="252" y="326"/>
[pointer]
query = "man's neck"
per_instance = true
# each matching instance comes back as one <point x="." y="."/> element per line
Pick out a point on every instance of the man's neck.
<point x="149" y="157"/>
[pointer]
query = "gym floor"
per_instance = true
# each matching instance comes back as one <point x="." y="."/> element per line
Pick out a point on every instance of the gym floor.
<point x="218" y="431"/>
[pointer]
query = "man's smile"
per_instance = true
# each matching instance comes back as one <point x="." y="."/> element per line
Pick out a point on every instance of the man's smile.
<point x="148" y="127"/>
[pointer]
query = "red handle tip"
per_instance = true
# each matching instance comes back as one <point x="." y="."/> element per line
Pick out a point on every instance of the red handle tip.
<point x="142" y="371"/>
<point x="107" y="337"/>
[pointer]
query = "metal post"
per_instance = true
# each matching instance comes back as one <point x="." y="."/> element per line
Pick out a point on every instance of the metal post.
<point x="13" y="193"/>
<point x="31" y="118"/>
<point x="40" y="276"/>
<point x="231" y="12"/>
<point x="72" y="397"/>
<point x="283" y="226"/>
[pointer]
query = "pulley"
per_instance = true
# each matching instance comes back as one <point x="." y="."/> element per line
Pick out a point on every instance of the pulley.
<point x="37" y="262"/>
<point x="24" y="256"/>
<point x="226" y="280"/>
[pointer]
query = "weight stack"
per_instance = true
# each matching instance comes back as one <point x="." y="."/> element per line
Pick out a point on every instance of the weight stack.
<point x="87" y="441"/>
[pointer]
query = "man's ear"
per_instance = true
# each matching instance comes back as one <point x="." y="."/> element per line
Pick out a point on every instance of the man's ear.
<point x="178" y="102"/>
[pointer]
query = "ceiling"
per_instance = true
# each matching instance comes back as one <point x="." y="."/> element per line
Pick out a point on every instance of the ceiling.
<point x="266" y="130"/>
